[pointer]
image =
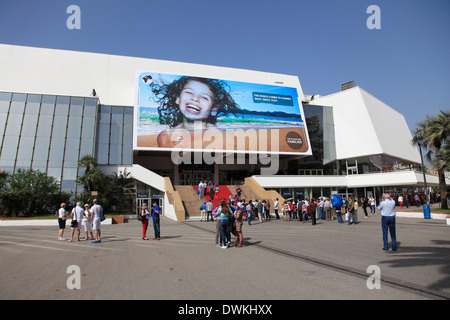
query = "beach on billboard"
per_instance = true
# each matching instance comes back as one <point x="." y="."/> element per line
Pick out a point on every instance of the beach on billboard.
<point x="277" y="141"/>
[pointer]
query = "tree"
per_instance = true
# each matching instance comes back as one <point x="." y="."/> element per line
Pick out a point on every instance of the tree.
<point x="420" y="141"/>
<point x="123" y="185"/>
<point x="92" y="175"/>
<point x="31" y="192"/>
<point x="94" y="181"/>
<point x="434" y="133"/>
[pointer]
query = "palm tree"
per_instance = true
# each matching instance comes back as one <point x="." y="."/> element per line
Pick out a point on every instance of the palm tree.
<point x="92" y="175"/>
<point x="420" y="141"/>
<point x="434" y="133"/>
<point x="123" y="185"/>
<point x="437" y="132"/>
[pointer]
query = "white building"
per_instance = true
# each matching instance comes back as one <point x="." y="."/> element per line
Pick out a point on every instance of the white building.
<point x="48" y="110"/>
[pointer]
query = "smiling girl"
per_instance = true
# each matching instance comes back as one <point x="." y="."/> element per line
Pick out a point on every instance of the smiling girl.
<point x="192" y="100"/>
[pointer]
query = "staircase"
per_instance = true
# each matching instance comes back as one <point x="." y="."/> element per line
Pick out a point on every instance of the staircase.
<point x="250" y="190"/>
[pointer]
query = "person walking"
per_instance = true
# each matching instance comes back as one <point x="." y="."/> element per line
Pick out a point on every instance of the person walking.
<point x="365" y="203"/>
<point x="285" y="211"/>
<point x="249" y="210"/>
<point x="351" y="210"/>
<point x="339" y="213"/>
<point x="387" y="208"/>
<point x="209" y="209"/>
<point x="156" y="221"/>
<point x="203" y="211"/>
<point x="62" y="221"/>
<point x="260" y="208"/>
<point x="321" y="213"/>
<point x="218" y="233"/>
<point x="400" y="201"/>
<point x="372" y="205"/>
<point x="97" y="212"/>
<point x="86" y="221"/>
<point x="145" y="218"/>
<point x="222" y="217"/>
<point x="275" y="208"/>
<point x="238" y="215"/>
<point x="327" y="206"/>
<point x="312" y="210"/>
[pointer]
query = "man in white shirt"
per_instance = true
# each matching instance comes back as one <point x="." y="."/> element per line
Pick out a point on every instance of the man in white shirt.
<point x="96" y="210"/>
<point x="387" y="208"/>
<point x="275" y="207"/>
<point x="77" y="214"/>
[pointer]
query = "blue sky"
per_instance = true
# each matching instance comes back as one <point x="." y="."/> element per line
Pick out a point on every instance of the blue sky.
<point x="325" y="43"/>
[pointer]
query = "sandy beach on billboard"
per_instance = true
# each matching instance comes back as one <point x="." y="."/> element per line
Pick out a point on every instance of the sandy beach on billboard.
<point x="289" y="140"/>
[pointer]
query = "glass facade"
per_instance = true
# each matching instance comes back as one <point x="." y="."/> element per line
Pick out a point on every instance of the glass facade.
<point x="115" y="135"/>
<point x="51" y="133"/>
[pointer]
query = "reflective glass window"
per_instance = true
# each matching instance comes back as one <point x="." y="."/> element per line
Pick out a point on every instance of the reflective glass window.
<point x="102" y="153"/>
<point x="76" y="106"/>
<point x="48" y="105"/>
<point x="25" y="152"/>
<point x="18" y="103"/>
<point x="41" y="152"/>
<point x="14" y="124"/>
<point x="104" y="115"/>
<point x="33" y="103"/>
<point x="87" y="147"/>
<point x="128" y="116"/>
<point x="116" y="134"/>
<point x="103" y="133"/>
<point x="59" y="126"/>
<point x="62" y="106"/>
<point x="5" y="100"/>
<point x="57" y="149"/>
<point x="88" y="128"/>
<point x="115" y="153"/>
<point x="29" y="125"/>
<point x="3" y="117"/>
<point x="45" y="126"/>
<point x="90" y="107"/>
<point x="74" y="127"/>
<point x="71" y="152"/>
<point x="9" y="150"/>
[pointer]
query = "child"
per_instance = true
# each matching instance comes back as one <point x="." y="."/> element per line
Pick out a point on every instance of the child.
<point x="191" y="100"/>
<point x="87" y="222"/>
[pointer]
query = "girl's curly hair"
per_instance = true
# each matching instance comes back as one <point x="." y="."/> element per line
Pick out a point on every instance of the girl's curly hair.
<point x="169" y="112"/>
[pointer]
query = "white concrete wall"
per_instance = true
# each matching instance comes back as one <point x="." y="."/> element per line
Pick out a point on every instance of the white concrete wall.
<point x="62" y="72"/>
<point x="149" y="178"/>
<point x="366" y="126"/>
<point x="399" y="178"/>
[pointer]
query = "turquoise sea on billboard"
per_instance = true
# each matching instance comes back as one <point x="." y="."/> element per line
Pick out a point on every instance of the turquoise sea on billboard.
<point x="149" y="121"/>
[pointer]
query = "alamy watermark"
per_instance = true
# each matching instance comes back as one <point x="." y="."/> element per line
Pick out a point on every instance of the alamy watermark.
<point x="74" y="280"/>
<point x="374" y="21"/>
<point x="374" y="281"/>
<point x="220" y="146"/>
<point x="74" y="20"/>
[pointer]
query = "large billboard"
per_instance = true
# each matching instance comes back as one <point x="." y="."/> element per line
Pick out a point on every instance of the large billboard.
<point x="189" y="113"/>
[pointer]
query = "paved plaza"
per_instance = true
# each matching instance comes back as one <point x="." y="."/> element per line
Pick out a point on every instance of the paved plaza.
<point x="279" y="261"/>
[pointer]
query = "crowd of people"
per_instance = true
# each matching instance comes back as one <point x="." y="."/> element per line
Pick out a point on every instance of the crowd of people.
<point x="230" y="215"/>
<point x="88" y="216"/>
